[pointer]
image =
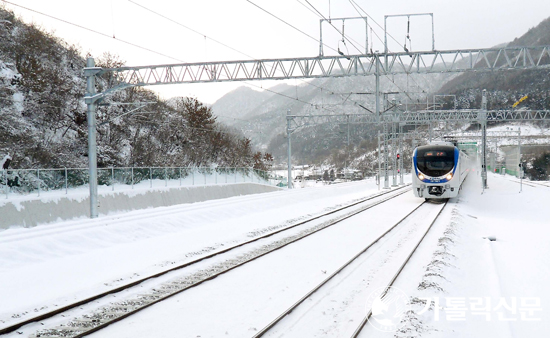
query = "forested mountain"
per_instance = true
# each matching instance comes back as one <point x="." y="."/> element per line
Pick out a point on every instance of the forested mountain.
<point x="265" y="123"/>
<point x="505" y="88"/>
<point x="43" y="114"/>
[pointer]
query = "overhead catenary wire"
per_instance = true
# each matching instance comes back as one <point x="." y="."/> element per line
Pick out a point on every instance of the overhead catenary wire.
<point x="234" y="49"/>
<point x="109" y="104"/>
<point x="361" y="15"/>
<point x="288" y="24"/>
<point x="133" y="116"/>
<point x="321" y="15"/>
<point x="408" y="36"/>
<point x="150" y="50"/>
<point x="343" y="35"/>
<point x="123" y="41"/>
<point x="341" y="32"/>
<point x="136" y="117"/>
<point x="214" y="40"/>
<point x="231" y="117"/>
<point x="370" y="17"/>
<point x="93" y="31"/>
<point x="191" y="29"/>
<point x="354" y="4"/>
<point x="309" y="9"/>
<point x="329" y="20"/>
<point x="113" y="18"/>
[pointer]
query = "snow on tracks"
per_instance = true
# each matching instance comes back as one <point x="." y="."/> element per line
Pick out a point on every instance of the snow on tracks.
<point x="144" y="300"/>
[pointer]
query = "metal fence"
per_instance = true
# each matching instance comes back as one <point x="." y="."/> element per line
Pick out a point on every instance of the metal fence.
<point x="18" y="182"/>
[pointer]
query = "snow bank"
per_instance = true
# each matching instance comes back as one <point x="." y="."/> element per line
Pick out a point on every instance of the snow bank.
<point x="29" y="213"/>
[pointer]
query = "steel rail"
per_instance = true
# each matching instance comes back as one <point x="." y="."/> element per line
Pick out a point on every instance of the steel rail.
<point x="365" y="320"/>
<point x="537" y="183"/>
<point x="68" y="307"/>
<point x="529" y="183"/>
<point x="360" y="253"/>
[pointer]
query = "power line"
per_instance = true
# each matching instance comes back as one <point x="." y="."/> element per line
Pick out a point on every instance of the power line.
<point x="330" y="23"/>
<point x="147" y="49"/>
<point x="367" y="14"/>
<point x="134" y="117"/>
<point x="353" y="3"/>
<point x="93" y="31"/>
<point x="230" y="117"/>
<point x="225" y="45"/>
<point x="367" y="24"/>
<point x="315" y="11"/>
<point x="286" y="23"/>
<point x="318" y="14"/>
<point x="126" y="42"/>
<point x="229" y="132"/>
<point x="309" y="9"/>
<point x="289" y="97"/>
<point x="234" y="49"/>
<point x="191" y="29"/>
<point x="303" y="33"/>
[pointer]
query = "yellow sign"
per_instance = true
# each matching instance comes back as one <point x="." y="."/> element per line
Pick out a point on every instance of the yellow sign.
<point x="520" y="101"/>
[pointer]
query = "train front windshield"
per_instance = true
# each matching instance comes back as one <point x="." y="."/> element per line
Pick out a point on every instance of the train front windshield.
<point x="435" y="161"/>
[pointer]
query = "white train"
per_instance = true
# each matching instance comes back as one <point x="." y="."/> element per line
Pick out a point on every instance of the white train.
<point x="439" y="169"/>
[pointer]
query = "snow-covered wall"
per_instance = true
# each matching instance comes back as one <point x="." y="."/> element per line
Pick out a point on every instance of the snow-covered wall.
<point x="30" y="213"/>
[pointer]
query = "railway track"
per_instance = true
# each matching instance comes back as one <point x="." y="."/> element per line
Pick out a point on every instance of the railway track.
<point x="531" y="183"/>
<point x="357" y="332"/>
<point x="363" y="252"/>
<point x="101" y="314"/>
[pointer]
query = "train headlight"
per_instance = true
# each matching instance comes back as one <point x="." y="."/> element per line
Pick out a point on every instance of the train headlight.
<point x="449" y="176"/>
<point x="421" y="177"/>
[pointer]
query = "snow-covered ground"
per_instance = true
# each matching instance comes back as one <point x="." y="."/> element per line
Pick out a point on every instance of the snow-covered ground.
<point x="483" y="288"/>
<point x="51" y="265"/>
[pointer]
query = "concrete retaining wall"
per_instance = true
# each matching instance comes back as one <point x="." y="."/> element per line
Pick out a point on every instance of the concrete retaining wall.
<point x="30" y="213"/>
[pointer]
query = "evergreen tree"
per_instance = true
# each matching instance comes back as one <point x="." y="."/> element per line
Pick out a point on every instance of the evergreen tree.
<point x="539" y="170"/>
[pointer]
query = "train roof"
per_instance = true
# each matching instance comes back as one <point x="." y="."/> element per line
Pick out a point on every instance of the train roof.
<point x="445" y="143"/>
<point x="433" y="146"/>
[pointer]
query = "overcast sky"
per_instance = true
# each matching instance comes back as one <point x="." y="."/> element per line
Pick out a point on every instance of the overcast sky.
<point x="252" y="32"/>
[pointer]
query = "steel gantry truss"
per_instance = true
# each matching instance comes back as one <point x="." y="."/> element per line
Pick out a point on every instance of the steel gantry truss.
<point x="375" y="64"/>
<point x="420" y="117"/>
<point x="492" y="134"/>
<point x="472" y="115"/>
<point x="334" y="66"/>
